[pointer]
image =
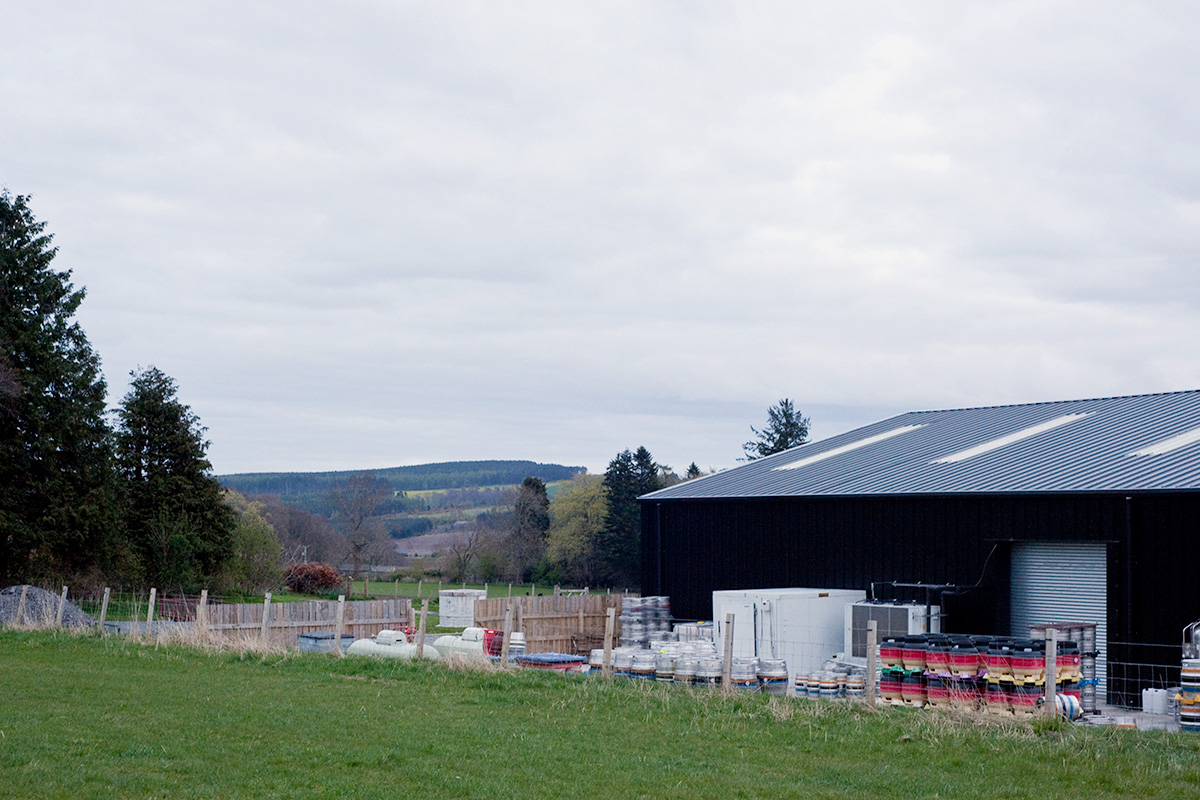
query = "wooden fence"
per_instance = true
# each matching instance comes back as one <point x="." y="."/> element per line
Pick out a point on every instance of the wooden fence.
<point x="553" y="624"/>
<point x="363" y="618"/>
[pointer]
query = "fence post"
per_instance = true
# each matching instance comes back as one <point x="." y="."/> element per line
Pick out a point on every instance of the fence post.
<point x="202" y="610"/>
<point x="727" y="661"/>
<point x="520" y="616"/>
<point x="421" y="629"/>
<point x="62" y="602"/>
<point x="510" y="590"/>
<point x="485" y="589"/>
<point x="104" y="607"/>
<point x="266" y="615"/>
<point x="508" y="632"/>
<point x="337" y="631"/>
<point x="1051" y="669"/>
<point x="420" y="583"/>
<point x="349" y="586"/>
<point x="581" y="617"/>
<point x="150" y="610"/>
<point x="439" y="588"/>
<point x="872" y="635"/>
<point x="533" y="590"/>
<point x="21" y="605"/>
<point x="366" y="587"/>
<point x="609" y="624"/>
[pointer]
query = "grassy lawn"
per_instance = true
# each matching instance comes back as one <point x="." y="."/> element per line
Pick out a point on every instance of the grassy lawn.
<point x="383" y="589"/>
<point x="84" y="717"/>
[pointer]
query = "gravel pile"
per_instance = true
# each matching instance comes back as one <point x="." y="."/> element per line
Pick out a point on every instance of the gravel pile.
<point x="40" y="609"/>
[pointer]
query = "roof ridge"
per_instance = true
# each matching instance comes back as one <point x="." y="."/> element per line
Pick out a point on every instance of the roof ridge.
<point x="1054" y="402"/>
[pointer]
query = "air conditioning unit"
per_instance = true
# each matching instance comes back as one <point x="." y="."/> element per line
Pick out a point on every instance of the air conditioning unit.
<point x="891" y="619"/>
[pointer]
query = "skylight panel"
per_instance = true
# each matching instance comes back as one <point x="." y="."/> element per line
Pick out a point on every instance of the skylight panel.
<point x="1012" y="438"/>
<point x="846" y="448"/>
<point x="1169" y="445"/>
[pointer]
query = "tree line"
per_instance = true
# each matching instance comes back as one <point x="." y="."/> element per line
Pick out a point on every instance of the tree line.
<point x="311" y="489"/>
<point x="83" y="494"/>
<point x="129" y="498"/>
<point x="589" y="534"/>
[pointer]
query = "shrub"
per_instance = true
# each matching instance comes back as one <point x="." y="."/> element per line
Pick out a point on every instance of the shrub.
<point x="312" y="577"/>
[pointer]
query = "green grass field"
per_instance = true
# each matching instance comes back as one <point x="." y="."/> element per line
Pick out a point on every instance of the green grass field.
<point x="84" y="717"/>
<point x="415" y="589"/>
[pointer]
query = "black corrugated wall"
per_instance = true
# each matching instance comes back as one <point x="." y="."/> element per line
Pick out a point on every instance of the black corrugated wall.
<point x="693" y="547"/>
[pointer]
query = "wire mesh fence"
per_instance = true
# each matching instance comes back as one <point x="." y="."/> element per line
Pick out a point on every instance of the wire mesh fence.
<point x="1136" y="666"/>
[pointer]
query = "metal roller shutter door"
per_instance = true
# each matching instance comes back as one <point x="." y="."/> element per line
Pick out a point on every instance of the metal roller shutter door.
<point x="1062" y="582"/>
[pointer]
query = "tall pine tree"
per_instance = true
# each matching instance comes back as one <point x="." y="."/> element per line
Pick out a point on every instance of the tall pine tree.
<point x="181" y="529"/>
<point x="58" y="510"/>
<point x="629" y="476"/>
<point x="786" y="428"/>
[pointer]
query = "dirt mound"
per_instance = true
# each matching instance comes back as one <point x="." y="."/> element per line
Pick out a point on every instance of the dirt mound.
<point x="41" y="607"/>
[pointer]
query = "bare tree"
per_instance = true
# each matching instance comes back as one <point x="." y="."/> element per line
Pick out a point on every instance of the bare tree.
<point x="304" y="536"/>
<point x="464" y="547"/>
<point x="354" y="502"/>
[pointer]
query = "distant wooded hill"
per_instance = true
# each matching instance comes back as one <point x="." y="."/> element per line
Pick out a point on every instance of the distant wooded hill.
<point x="310" y="489"/>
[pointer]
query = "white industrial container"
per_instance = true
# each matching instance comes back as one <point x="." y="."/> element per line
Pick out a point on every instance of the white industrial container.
<point x="456" y="607"/>
<point x="804" y="627"/>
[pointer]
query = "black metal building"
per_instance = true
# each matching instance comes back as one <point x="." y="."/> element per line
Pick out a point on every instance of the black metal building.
<point x="1087" y="507"/>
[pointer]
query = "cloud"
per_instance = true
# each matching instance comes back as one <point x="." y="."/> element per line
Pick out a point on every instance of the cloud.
<point x="383" y="233"/>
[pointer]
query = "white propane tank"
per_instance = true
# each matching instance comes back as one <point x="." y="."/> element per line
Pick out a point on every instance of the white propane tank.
<point x="470" y="644"/>
<point x="390" y="644"/>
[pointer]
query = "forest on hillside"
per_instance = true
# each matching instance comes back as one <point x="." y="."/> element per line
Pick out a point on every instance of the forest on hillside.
<point x="311" y="490"/>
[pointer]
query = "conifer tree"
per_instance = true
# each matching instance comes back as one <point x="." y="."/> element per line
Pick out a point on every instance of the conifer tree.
<point x="58" y="510"/>
<point x="629" y="476"/>
<point x="177" y="522"/>
<point x="786" y="428"/>
<point x="531" y="521"/>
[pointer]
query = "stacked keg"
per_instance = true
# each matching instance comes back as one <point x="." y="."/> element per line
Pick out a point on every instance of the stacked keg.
<point x="1077" y="655"/>
<point x="832" y="682"/>
<point x="1189" y="680"/>
<point x="644" y="618"/>
<point x="1001" y="674"/>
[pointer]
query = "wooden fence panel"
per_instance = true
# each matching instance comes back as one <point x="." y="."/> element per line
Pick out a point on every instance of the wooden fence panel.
<point x="364" y="618"/>
<point x="553" y="623"/>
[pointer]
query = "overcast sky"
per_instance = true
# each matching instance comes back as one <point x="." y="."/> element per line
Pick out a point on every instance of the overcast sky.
<point x="371" y="234"/>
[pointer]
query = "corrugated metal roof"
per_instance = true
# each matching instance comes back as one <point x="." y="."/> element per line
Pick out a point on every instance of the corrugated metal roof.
<point x="1069" y="446"/>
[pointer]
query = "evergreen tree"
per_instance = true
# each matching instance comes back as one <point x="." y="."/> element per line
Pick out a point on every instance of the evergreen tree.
<point x="786" y="428"/>
<point x="9" y="388"/>
<point x="693" y="472"/>
<point x="177" y="521"/>
<point x="58" y="509"/>
<point x="531" y="520"/>
<point x="629" y="476"/>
